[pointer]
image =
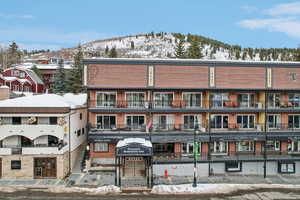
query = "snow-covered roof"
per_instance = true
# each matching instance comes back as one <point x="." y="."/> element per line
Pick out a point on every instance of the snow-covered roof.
<point x="47" y="101"/>
<point x="43" y="66"/>
<point x="128" y="141"/>
<point x="10" y="78"/>
<point x="24" y="81"/>
<point x="4" y="86"/>
<point x="31" y="73"/>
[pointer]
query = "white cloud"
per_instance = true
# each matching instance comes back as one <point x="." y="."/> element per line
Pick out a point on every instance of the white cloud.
<point x="249" y="9"/>
<point x="284" y="9"/>
<point x="12" y="16"/>
<point x="289" y="26"/>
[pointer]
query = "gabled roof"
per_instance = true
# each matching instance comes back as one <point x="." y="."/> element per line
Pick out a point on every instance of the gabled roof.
<point x="31" y="73"/>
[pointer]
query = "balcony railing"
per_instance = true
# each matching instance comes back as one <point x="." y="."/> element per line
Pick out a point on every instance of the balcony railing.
<point x="219" y="104"/>
<point x="282" y="127"/>
<point x="284" y="105"/>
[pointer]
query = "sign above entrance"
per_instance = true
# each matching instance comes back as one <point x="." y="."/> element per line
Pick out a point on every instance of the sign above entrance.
<point x="134" y="147"/>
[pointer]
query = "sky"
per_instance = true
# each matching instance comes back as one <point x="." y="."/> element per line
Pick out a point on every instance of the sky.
<point x="55" y="24"/>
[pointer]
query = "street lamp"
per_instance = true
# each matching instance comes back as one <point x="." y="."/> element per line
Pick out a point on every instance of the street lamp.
<point x="196" y="130"/>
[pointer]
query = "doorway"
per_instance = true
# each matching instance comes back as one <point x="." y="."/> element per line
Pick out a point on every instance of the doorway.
<point x="45" y="168"/>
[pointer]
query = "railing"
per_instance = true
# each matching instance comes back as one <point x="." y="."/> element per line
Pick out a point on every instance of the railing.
<point x="284" y="104"/>
<point x="282" y="127"/>
<point x="235" y="104"/>
<point x="224" y="156"/>
<point x="30" y="124"/>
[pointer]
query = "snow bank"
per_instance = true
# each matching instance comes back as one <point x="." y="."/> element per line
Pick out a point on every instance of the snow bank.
<point x="215" y="188"/>
<point x="111" y="189"/>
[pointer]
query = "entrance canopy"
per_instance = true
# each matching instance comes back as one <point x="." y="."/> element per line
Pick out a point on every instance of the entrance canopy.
<point x="134" y="147"/>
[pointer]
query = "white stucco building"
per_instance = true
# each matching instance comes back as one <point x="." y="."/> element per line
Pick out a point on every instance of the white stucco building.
<point x="41" y="136"/>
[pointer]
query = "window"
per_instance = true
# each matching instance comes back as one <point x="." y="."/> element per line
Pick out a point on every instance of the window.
<point x="188" y="148"/>
<point x="15" y="164"/>
<point x="274" y="121"/>
<point x="246" y="121"/>
<point x="286" y="167"/>
<point x="78" y="133"/>
<point x="272" y="145"/>
<point x="294" y="146"/>
<point x="135" y="122"/>
<point x="190" y="121"/>
<point x="83" y="131"/>
<point x="100" y="147"/>
<point x="163" y="122"/>
<point x="273" y="100"/>
<point x="233" y="166"/>
<point x="15" y="87"/>
<point x="163" y="148"/>
<point x="22" y="74"/>
<point x="16" y="120"/>
<point x="106" y="99"/>
<point x="219" y="121"/>
<point x="163" y="99"/>
<point x="27" y="88"/>
<point x="245" y="146"/>
<point x="218" y="99"/>
<point x="294" y="100"/>
<point x="246" y="100"/>
<point x="219" y="147"/>
<point x="53" y="120"/>
<point x="15" y="73"/>
<point x="135" y="99"/>
<point x="106" y="122"/>
<point x="294" y="121"/>
<point x="80" y="116"/>
<point x="192" y="99"/>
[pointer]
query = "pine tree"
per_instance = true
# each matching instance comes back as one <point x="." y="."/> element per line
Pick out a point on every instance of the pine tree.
<point x="106" y="50"/>
<point x="180" y="51"/>
<point x="194" y="50"/>
<point x="297" y="55"/>
<point x="59" y="85"/>
<point x="37" y="71"/>
<point x="132" y="45"/>
<point x="74" y="80"/>
<point x="14" y="55"/>
<point x="113" y="53"/>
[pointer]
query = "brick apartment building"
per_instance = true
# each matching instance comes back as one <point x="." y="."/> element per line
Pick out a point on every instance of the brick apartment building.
<point x="246" y="116"/>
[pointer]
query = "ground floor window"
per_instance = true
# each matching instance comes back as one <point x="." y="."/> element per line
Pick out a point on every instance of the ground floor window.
<point x="245" y="146"/>
<point x="219" y="147"/>
<point x="188" y="148"/>
<point x="163" y="148"/>
<point x="100" y="147"/>
<point x="286" y="167"/>
<point x="233" y="166"/>
<point x="16" y="164"/>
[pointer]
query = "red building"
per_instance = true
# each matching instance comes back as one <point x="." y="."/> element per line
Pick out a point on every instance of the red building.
<point x="22" y="80"/>
<point x="244" y="117"/>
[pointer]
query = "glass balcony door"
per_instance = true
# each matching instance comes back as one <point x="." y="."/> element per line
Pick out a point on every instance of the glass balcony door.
<point x="192" y="100"/>
<point x="218" y="99"/>
<point x="246" y="100"/>
<point x="162" y="100"/>
<point x="106" y="99"/>
<point x="135" y="99"/>
<point x="135" y="122"/>
<point x="273" y="100"/>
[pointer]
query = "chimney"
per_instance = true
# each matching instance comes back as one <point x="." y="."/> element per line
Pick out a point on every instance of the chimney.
<point x="4" y="92"/>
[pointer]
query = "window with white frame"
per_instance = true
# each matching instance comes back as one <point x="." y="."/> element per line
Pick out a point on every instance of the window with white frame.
<point x="286" y="167"/>
<point x="219" y="147"/>
<point x="273" y="100"/>
<point x="192" y="99"/>
<point x="163" y="99"/>
<point x="188" y="148"/>
<point x="246" y="121"/>
<point x="135" y="122"/>
<point x="245" y="146"/>
<point x="15" y="73"/>
<point x="272" y="145"/>
<point x="190" y="121"/>
<point x="135" y="99"/>
<point x="15" y="87"/>
<point x="274" y="121"/>
<point x="219" y="99"/>
<point x="233" y="166"/>
<point x="22" y="74"/>
<point x="294" y="121"/>
<point x="294" y="100"/>
<point x="106" y="99"/>
<point x="246" y="100"/>
<point x="163" y="122"/>
<point x="294" y="146"/>
<point x="106" y="122"/>
<point x="100" y="147"/>
<point x="219" y="121"/>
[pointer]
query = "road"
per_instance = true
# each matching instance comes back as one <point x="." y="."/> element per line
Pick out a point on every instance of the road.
<point x="253" y="195"/>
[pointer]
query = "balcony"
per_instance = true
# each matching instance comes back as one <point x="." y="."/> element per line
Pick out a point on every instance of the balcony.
<point x="284" y="106"/>
<point x="33" y="149"/>
<point x="235" y="127"/>
<point x="216" y="105"/>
